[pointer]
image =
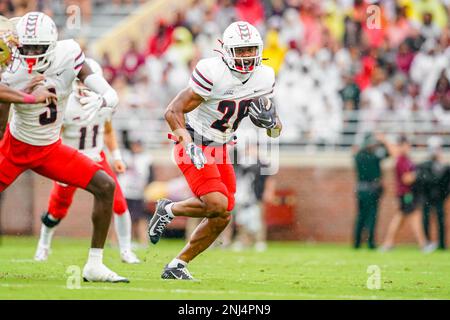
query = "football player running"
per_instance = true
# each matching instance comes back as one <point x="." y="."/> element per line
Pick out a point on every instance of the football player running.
<point x="32" y="139"/>
<point x="220" y="94"/>
<point x="88" y="132"/>
<point x="8" y="48"/>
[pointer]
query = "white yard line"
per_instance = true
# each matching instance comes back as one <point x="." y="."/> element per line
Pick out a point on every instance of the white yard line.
<point x="212" y="292"/>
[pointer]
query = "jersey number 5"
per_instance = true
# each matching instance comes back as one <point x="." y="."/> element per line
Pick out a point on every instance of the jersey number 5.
<point x="228" y="108"/>
<point x="49" y="117"/>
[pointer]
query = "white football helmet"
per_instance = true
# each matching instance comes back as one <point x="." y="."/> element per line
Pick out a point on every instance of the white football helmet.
<point x="242" y="34"/>
<point x="37" y="37"/>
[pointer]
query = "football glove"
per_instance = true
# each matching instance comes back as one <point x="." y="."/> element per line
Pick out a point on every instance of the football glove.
<point x="196" y="154"/>
<point x="91" y="103"/>
<point x="260" y="116"/>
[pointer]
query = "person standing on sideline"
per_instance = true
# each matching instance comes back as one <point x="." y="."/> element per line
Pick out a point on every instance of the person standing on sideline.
<point x="253" y="189"/>
<point x="405" y="175"/>
<point x="433" y="177"/>
<point x="369" y="185"/>
<point x="138" y="175"/>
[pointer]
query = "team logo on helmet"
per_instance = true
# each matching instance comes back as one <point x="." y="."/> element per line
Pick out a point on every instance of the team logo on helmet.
<point x="244" y="31"/>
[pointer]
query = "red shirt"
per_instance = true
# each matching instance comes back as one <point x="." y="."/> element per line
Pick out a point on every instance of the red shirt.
<point x="403" y="165"/>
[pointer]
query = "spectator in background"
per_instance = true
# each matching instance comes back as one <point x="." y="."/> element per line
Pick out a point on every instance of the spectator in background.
<point x="429" y="30"/>
<point x="160" y="41"/>
<point x="291" y="31"/>
<point x="427" y="66"/>
<point x="253" y="188"/>
<point x="441" y="110"/>
<point x="334" y="20"/>
<point x="434" y="7"/>
<point x="277" y="8"/>
<point x="225" y="14"/>
<point x="21" y="7"/>
<point x="350" y="93"/>
<point x="400" y="29"/>
<point x="404" y="58"/>
<point x="109" y="71"/>
<point x="442" y="89"/>
<point x="374" y="102"/>
<point x="138" y="175"/>
<point x="182" y="49"/>
<point x="251" y="11"/>
<point x="7" y="8"/>
<point x="369" y="186"/>
<point x="313" y="28"/>
<point x="352" y="33"/>
<point x="409" y="200"/>
<point x="273" y="50"/>
<point x="195" y="15"/>
<point x="433" y="178"/>
<point x="132" y="60"/>
<point x="350" y="97"/>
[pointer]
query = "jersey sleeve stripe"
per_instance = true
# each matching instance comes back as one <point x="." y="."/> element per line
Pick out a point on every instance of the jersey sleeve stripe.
<point x="203" y="77"/>
<point x="199" y="84"/>
<point x="79" y="65"/>
<point x="79" y="56"/>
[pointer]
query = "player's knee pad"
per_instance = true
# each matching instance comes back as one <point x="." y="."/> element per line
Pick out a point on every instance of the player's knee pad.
<point x="48" y="222"/>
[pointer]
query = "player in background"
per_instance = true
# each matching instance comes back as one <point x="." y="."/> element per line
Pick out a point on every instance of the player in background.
<point x="218" y="97"/>
<point x="8" y="52"/>
<point x="32" y="138"/>
<point x="88" y="133"/>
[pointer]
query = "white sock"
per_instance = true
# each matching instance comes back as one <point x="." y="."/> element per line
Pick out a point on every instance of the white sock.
<point x="95" y="256"/>
<point x="169" y="209"/>
<point x="174" y="263"/>
<point x="122" y="224"/>
<point x="45" y="239"/>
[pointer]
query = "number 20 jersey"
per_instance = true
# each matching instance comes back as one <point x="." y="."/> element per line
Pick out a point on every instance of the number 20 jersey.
<point x="226" y="97"/>
<point x="40" y="124"/>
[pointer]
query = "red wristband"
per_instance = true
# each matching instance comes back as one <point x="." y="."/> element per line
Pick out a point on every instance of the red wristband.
<point x="29" y="98"/>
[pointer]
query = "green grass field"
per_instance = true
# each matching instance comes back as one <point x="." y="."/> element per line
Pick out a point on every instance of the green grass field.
<point x="284" y="271"/>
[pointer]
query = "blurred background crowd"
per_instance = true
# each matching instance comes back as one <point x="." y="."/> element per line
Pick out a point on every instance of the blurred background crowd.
<point x="344" y="68"/>
<point x="388" y="60"/>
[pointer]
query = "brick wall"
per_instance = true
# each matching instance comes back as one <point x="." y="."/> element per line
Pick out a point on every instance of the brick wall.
<point x="324" y="204"/>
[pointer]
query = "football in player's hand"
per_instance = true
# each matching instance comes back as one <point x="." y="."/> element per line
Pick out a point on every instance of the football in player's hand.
<point x="262" y="112"/>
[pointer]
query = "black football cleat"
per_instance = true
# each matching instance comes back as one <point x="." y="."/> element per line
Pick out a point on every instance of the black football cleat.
<point x="160" y="220"/>
<point x="178" y="273"/>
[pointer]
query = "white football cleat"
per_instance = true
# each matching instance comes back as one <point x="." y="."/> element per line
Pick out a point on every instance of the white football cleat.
<point x="101" y="273"/>
<point x="41" y="254"/>
<point x="129" y="256"/>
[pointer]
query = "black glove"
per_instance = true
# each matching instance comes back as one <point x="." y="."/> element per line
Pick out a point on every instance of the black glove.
<point x="262" y="113"/>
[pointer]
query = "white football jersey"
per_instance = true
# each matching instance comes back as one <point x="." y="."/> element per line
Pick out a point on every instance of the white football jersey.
<point x="40" y="124"/>
<point x="226" y="97"/>
<point x="85" y="136"/>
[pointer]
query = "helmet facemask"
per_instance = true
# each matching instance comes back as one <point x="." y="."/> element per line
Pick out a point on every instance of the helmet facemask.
<point x="244" y="58"/>
<point x="37" y="57"/>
